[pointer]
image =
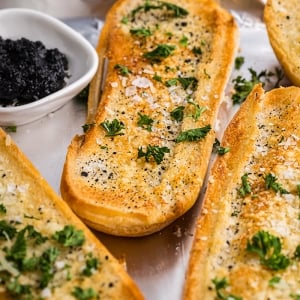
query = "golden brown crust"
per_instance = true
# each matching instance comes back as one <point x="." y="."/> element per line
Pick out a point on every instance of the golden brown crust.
<point x="36" y="204"/>
<point x="281" y="19"/>
<point x="104" y="181"/>
<point x="263" y="139"/>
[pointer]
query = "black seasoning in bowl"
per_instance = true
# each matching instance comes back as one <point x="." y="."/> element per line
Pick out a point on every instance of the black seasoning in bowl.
<point x="29" y="71"/>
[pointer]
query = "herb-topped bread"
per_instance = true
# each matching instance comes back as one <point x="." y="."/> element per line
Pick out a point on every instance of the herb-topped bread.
<point x="46" y="252"/>
<point x="282" y="21"/>
<point x="247" y="240"/>
<point x="141" y="163"/>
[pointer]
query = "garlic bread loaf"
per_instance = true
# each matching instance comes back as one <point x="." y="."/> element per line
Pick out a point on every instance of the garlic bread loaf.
<point x="46" y="252"/>
<point x="142" y="161"/>
<point x="282" y="21"/>
<point x="247" y="240"/>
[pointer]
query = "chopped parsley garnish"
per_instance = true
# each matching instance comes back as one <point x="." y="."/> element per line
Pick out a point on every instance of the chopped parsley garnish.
<point x="11" y="128"/>
<point x="186" y="82"/>
<point x="271" y="183"/>
<point x="7" y="230"/>
<point x="184" y="41"/>
<point x="274" y="280"/>
<point x="18" y="250"/>
<point x="198" y="110"/>
<point x="70" y="236"/>
<point x="268" y="248"/>
<point x="141" y="32"/>
<point x="113" y="127"/>
<point x="298" y="190"/>
<point x="239" y="61"/>
<point x="176" y="11"/>
<point x="295" y="296"/>
<point x="2" y="209"/>
<point x="83" y="94"/>
<point x="219" y="149"/>
<point x="192" y="135"/>
<point x="125" y="20"/>
<point x="46" y="265"/>
<point x="17" y="289"/>
<point x="83" y="294"/>
<point x="280" y="75"/>
<point x="159" y="53"/>
<point x="171" y="82"/>
<point x="91" y="266"/>
<point x="245" y="189"/>
<point x="145" y="122"/>
<point x="177" y="114"/>
<point x="157" y="78"/>
<point x="197" y="50"/>
<point x="122" y="70"/>
<point x="243" y="87"/>
<point x="297" y="253"/>
<point x="156" y="152"/>
<point x="86" y="127"/>
<point x="220" y="286"/>
<point x="169" y="69"/>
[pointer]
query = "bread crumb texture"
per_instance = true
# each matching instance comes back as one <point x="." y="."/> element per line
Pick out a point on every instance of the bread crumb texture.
<point x="256" y="233"/>
<point x="163" y="87"/>
<point x="45" y="251"/>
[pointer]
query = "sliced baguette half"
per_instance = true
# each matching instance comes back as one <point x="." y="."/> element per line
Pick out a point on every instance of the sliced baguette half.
<point x="46" y="251"/>
<point x="282" y="21"/>
<point x="246" y="244"/>
<point x="169" y="63"/>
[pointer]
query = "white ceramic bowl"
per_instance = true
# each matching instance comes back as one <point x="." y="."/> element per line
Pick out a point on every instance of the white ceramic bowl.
<point x="82" y="58"/>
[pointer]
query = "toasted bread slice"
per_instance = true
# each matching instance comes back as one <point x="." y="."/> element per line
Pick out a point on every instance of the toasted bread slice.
<point x="142" y="161"/>
<point x="46" y="251"/>
<point x="247" y="234"/>
<point x="282" y="21"/>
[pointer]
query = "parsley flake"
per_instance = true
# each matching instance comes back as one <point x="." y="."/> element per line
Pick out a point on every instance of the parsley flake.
<point x="159" y="53"/>
<point x="197" y="50"/>
<point x="83" y="294"/>
<point x="7" y="230"/>
<point x="145" y="122"/>
<point x="243" y="87"/>
<point x="11" y="128"/>
<point x="198" y="110"/>
<point x="176" y="11"/>
<point x="18" y="289"/>
<point x="86" y="127"/>
<point x="297" y="253"/>
<point x="220" y="149"/>
<point x="274" y="280"/>
<point x="184" y="41"/>
<point x="245" y="189"/>
<point x="192" y="135"/>
<point x="113" y="127"/>
<point x="220" y="286"/>
<point x="157" y="77"/>
<point x="156" y="152"/>
<point x="91" y="265"/>
<point x="268" y="248"/>
<point x="2" y="209"/>
<point x="239" y="61"/>
<point x="177" y="114"/>
<point x="271" y="183"/>
<point x="141" y="32"/>
<point x="122" y="70"/>
<point x="69" y="236"/>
